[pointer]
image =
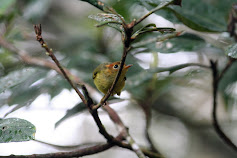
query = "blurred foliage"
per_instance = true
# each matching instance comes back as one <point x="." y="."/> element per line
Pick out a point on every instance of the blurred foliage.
<point x="80" y="47"/>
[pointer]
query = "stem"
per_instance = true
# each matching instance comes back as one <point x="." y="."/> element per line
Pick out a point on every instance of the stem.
<point x="214" y="114"/>
<point x="124" y="131"/>
<point x="126" y="48"/>
<point x="38" y="32"/>
<point x="160" y="6"/>
<point x="228" y="65"/>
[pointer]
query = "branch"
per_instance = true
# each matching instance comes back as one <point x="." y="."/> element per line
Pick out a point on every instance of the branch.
<point x="87" y="101"/>
<point x="176" y="67"/>
<point x="41" y="62"/>
<point x="124" y="130"/>
<point x="108" y="22"/>
<point x="228" y="65"/>
<point x="38" y="31"/>
<point x="215" y="123"/>
<point x="160" y="6"/>
<point x="160" y="38"/>
<point x="80" y="152"/>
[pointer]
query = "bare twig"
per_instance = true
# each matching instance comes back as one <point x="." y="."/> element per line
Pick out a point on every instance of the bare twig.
<point x="126" y="48"/>
<point x="41" y="62"/>
<point x="124" y="130"/>
<point x="153" y="11"/>
<point x="160" y="38"/>
<point x="38" y="31"/>
<point x="80" y="152"/>
<point x="215" y="123"/>
<point x="177" y="67"/>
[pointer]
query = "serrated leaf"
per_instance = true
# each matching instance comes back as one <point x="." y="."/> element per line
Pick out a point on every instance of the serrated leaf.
<point x="71" y="112"/>
<point x="231" y="51"/>
<point x="16" y="130"/>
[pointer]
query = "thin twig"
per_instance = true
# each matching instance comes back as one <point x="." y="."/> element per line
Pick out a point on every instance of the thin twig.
<point x="76" y="153"/>
<point x="126" y="49"/>
<point x="41" y="62"/>
<point x="160" y="38"/>
<point x="176" y="67"/>
<point x="87" y="101"/>
<point x="215" y="123"/>
<point x="152" y="11"/>
<point x="38" y="32"/>
<point x="227" y="66"/>
<point x="124" y="130"/>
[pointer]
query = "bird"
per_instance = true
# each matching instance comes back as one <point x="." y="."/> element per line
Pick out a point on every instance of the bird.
<point x="104" y="76"/>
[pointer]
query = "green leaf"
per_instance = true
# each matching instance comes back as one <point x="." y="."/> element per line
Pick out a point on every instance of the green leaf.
<point x="76" y="109"/>
<point x="206" y="16"/>
<point x="15" y="78"/>
<point x="23" y="99"/>
<point x="26" y="92"/>
<point x="151" y="41"/>
<point x="231" y="51"/>
<point x="4" y="5"/>
<point x="111" y="20"/>
<point x="16" y="130"/>
<point x="186" y="42"/>
<point x="145" y="85"/>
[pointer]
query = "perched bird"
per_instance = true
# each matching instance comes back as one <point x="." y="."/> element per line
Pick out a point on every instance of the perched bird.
<point x="105" y="74"/>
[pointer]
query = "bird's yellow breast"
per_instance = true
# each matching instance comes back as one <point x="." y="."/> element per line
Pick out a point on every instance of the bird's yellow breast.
<point x="104" y="80"/>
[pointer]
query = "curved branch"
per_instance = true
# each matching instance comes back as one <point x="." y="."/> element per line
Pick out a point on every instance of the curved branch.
<point x="215" y="123"/>
<point x="123" y="130"/>
<point x="126" y="49"/>
<point x="38" y="31"/>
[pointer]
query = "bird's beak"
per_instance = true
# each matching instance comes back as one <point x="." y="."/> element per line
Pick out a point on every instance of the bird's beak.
<point x="127" y="66"/>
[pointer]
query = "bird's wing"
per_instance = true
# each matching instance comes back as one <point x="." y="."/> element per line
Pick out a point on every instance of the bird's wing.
<point x="94" y="74"/>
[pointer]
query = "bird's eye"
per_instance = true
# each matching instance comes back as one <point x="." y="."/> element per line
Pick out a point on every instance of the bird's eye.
<point x="116" y="66"/>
